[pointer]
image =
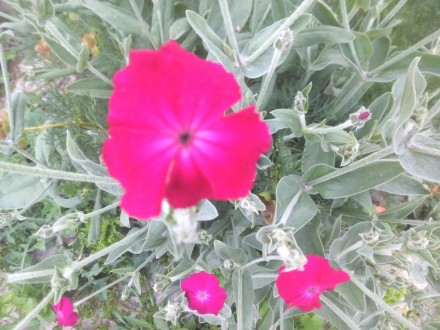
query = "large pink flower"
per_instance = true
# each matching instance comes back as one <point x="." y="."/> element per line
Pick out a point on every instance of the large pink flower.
<point x="203" y="292"/>
<point x="302" y="289"/>
<point x="170" y="136"/>
<point x="65" y="314"/>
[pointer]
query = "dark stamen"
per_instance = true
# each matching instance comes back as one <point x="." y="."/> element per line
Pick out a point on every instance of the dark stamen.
<point x="184" y="138"/>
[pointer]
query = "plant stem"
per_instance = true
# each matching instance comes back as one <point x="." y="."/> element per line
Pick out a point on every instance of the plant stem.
<point x="267" y="86"/>
<point x="81" y="264"/>
<point x="8" y="101"/>
<point x="79" y="302"/>
<point x="290" y="207"/>
<point x="346" y="24"/>
<point x="383" y="305"/>
<point x="65" y="124"/>
<point x="392" y="13"/>
<point x="97" y="73"/>
<point x="301" y="9"/>
<point x="340" y="313"/>
<point x="405" y="53"/>
<point x="256" y="261"/>
<point x="29" y="317"/>
<point x="144" y="25"/>
<point x="365" y="161"/>
<point x="54" y="174"/>
<point x="230" y="30"/>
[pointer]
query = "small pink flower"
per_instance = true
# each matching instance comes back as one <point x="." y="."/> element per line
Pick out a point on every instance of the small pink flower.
<point x="204" y="293"/>
<point x="364" y="115"/>
<point x="65" y="314"/>
<point x="301" y="289"/>
<point x="170" y="137"/>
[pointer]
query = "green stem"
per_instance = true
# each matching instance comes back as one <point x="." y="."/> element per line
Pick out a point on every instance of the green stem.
<point x="346" y="24"/>
<point x="340" y="313"/>
<point x="79" y="302"/>
<point x="29" y="317"/>
<point x="360" y="163"/>
<point x="398" y="317"/>
<point x="4" y="68"/>
<point x="104" y="209"/>
<point x="230" y="30"/>
<point x="424" y="150"/>
<point x="256" y="261"/>
<point x="325" y="130"/>
<point x="54" y="174"/>
<point x="290" y="207"/>
<point x="301" y="9"/>
<point x="267" y="86"/>
<point x="97" y="73"/>
<point x="24" y="276"/>
<point x="81" y="264"/>
<point x="144" y="25"/>
<point x="392" y="13"/>
<point x="405" y="53"/>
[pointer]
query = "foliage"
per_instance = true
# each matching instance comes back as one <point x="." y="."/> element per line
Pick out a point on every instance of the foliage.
<point x="312" y="67"/>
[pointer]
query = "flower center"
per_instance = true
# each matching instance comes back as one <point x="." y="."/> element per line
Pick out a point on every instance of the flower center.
<point x="185" y="138"/>
<point x="202" y="296"/>
<point x="312" y="291"/>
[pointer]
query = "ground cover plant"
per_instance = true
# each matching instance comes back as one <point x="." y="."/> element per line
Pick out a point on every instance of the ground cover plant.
<point x="219" y="164"/>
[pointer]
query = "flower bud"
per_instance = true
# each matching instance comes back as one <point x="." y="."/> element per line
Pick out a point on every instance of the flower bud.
<point x="360" y="117"/>
<point x="228" y="264"/>
<point x="292" y="258"/>
<point x="284" y="40"/>
<point x="161" y="283"/>
<point x="204" y="237"/>
<point x="371" y="237"/>
<point x="58" y="281"/>
<point x="45" y="232"/>
<point x="172" y="312"/>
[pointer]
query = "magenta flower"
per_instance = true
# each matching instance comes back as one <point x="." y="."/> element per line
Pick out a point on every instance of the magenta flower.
<point x="65" y="314"/>
<point x="170" y="137"/>
<point x="301" y="289"/>
<point x="203" y="292"/>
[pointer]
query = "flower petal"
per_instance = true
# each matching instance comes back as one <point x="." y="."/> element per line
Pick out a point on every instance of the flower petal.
<point x="65" y="314"/>
<point x="141" y="161"/>
<point x="228" y="151"/>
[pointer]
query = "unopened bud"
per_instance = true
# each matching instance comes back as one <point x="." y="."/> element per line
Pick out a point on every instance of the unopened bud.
<point x="228" y="264"/>
<point x="45" y="232"/>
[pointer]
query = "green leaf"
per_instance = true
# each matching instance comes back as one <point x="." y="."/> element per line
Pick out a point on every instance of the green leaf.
<point x="225" y="252"/>
<point x="18" y="191"/>
<point x="381" y="49"/>
<point x="294" y="207"/>
<point x="353" y="295"/>
<point x="278" y="9"/>
<point x="346" y="243"/>
<point x="93" y="87"/>
<point x="404" y="185"/>
<point x="18" y="108"/>
<point x="363" y="48"/>
<point x="260" y="66"/>
<point x="355" y="181"/>
<point x="244" y="298"/>
<point x="429" y="64"/>
<point x="402" y="210"/>
<point x="239" y="11"/>
<point x="117" y="17"/>
<point x="179" y="28"/>
<point x="313" y="154"/>
<point x="324" y="34"/>
<point x="406" y="91"/>
<point x="211" y="40"/>
<point x="311" y="322"/>
<point x="291" y="119"/>
<point x="324" y="14"/>
<point x="421" y="158"/>
<point x="81" y="161"/>
<point x="308" y="238"/>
